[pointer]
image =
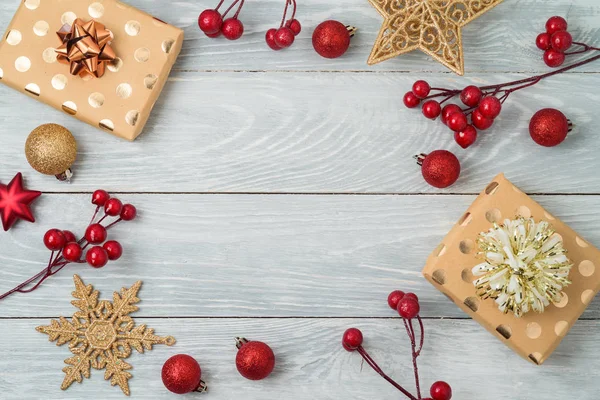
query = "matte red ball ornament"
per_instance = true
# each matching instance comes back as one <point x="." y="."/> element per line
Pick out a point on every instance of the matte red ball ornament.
<point x="15" y="201"/>
<point x="543" y="41"/>
<point x="471" y="96"/>
<point x="113" y="207"/>
<point x="467" y="137"/>
<point x="95" y="234"/>
<point x="210" y="21"/>
<point x="352" y="339"/>
<point x="394" y="298"/>
<point x="54" y="240"/>
<point x="553" y="58"/>
<point x="421" y="89"/>
<point x="411" y="101"/>
<point x="408" y="308"/>
<point x="232" y="28"/>
<point x="100" y="197"/>
<point x="182" y="374"/>
<point x="295" y="26"/>
<point x="284" y="37"/>
<point x="96" y="257"/>
<point x="480" y="121"/>
<point x="128" y="212"/>
<point x="432" y="109"/>
<point x="440" y="391"/>
<point x="72" y="252"/>
<point x="114" y="250"/>
<point x="440" y="168"/>
<point x="448" y="110"/>
<point x="331" y="39"/>
<point x="561" y="41"/>
<point x="549" y="127"/>
<point x="556" y="24"/>
<point x="254" y="360"/>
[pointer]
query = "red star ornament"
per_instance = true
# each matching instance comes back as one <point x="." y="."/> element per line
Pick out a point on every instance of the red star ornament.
<point x="15" y="201"/>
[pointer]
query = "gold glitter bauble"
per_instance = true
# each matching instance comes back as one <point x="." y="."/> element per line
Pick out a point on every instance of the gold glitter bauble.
<point x="51" y="149"/>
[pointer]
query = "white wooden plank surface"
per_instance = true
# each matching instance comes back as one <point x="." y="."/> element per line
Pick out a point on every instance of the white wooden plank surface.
<point x="311" y="362"/>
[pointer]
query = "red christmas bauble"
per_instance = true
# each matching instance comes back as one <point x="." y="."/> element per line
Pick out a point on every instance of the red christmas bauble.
<point x="549" y="127"/>
<point x="331" y="39"/>
<point x="440" y="168"/>
<point x="352" y="339"/>
<point x="182" y="374"/>
<point x="440" y="391"/>
<point x="232" y="28"/>
<point x="254" y="360"/>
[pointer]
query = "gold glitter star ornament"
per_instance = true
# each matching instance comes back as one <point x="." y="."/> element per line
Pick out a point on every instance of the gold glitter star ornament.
<point x="433" y="26"/>
<point x="101" y="335"/>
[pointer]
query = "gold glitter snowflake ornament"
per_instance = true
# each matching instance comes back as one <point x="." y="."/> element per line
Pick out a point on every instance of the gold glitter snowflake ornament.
<point x="101" y="335"/>
<point x="525" y="267"/>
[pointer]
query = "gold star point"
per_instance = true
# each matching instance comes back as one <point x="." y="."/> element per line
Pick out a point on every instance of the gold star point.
<point x="433" y="26"/>
<point x="101" y="335"/>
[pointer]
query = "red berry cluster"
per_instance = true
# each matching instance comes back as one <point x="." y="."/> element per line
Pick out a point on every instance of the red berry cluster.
<point x="556" y="41"/>
<point x="407" y="306"/>
<point x="213" y="24"/>
<point x="67" y="249"/>
<point x="284" y="36"/>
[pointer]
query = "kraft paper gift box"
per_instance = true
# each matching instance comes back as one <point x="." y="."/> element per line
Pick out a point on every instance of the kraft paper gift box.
<point x="534" y="336"/>
<point x="121" y="100"/>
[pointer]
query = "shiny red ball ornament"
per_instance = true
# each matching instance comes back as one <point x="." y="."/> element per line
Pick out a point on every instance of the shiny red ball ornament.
<point x="467" y="137"/>
<point x="95" y="234"/>
<point x="561" y="41"/>
<point x="394" y="298"/>
<point x="232" y="28"/>
<point x="432" y="109"/>
<point x="553" y="58"/>
<point x="408" y="308"/>
<point x="72" y="252"/>
<point x="543" y="41"/>
<point x="331" y="39"/>
<point x="471" y="96"/>
<point x="295" y="26"/>
<point x="440" y="391"/>
<point x="458" y="121"/>
<point x="54" y="240"/>
<point x="440" y="168"/>
<point x="448" y="110"/>
<point x="128" y="212"/>
<point x="556" y="24"/>
<point x="113" y="207"/>
<point x="100" y="197"/>
<point x="490" y="107"/>
<point x="284" y="37"/>
<point x="480" y="121"/>
<point x="352" y="339"/>
<point x="254" y="360"/>
<point x="182" y="374"/>
<point x="114" y="250"/>
<point x="97" y="257"/>
<point x="411" y="101"/>
<point x="421" y="89"/>
<point x="549" y="127"/>
<point x="69" y="236"/>
<point x="210" y="21"/>
<point x="270" y="39"/>
<point x="15" y="201"/>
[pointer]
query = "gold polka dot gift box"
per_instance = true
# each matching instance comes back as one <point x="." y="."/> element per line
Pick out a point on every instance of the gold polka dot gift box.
<point x="517" y="270"/>
<point x="102" y="61"/>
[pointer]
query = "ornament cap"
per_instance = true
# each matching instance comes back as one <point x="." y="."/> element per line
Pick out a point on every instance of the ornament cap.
<point x="202" y="387"/>
<point x="420" y="158"/>
<point x="65" y="176"/>
<point x="571" y="125"/>
<point x="240" y="342"/>
<point x="351" y="30"/>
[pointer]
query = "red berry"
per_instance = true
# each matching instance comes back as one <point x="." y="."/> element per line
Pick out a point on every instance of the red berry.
<point x="210" y="21"/>
<point x="411" y="295"/>
<point x="69" y="236"/>
<point x="214" y="35"/>
<point x="114" y="250"/>
<point x="432" y="109"/>
<point x="458" y="121"/>
<point x="440" y="391"/>
<point x="561" y="41"/>
<point x="352" y="339"/>
<point x="232" y="28"/>
<point x="96" y="257"/>
<point x="54" y="240"/>
<point x="448" y="110"/>
<point x="408" y="308"/>
<point x="480" y="121"/>
<point x="411" y="101"/>
<point x="556" y="24"/>
<point x="543" y="41"/>
<point x="128" y="213"/>
<point x="471" y="96"/>
<point x="467" y="137"/>
<point x="100" y="197"/>
<point x="95" y="234"/>
<point x="394" y="298"/>
<point x="284" y="37"/>
<point x="490" y="107"/>
<point x="270" y="39"/>
<point x="553" y="58"/>
<point x="72" y="252"/>
<point x="295" y="26"/>
<point x="421" y="89"/>
<point x="113" y="207"/>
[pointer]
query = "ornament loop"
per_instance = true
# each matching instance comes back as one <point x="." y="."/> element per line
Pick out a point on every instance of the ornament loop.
<point x="202" y="387"/>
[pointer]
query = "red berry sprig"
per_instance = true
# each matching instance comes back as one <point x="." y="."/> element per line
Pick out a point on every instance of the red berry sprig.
<point x="284" y="36"/>
<point x="557" y="40"/>
<point x="407" y="306"/>
<point x="66" y="249"/>
<point x="213" y="24"/>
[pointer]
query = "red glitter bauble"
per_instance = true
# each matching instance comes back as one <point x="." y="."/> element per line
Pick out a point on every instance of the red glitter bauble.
<point x="440" y="168"/>
<point x="549" y="127"/>
<point x="182" y="374"/>
<point x="254" y="360"/>
<point x="331" y="39"/>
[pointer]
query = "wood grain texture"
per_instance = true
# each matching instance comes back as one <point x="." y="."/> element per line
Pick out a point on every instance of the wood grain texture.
<point x="311" y="362"/>
<point x="271" y="132"/>
<point x="250" y="255"/>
